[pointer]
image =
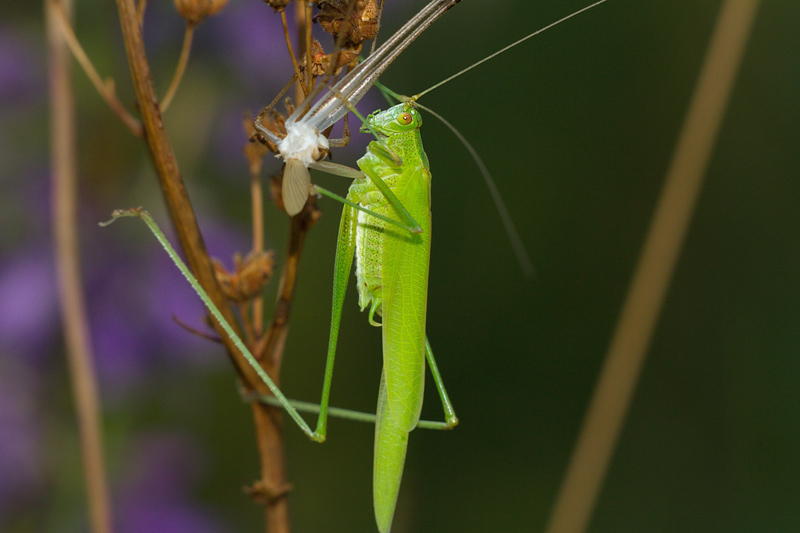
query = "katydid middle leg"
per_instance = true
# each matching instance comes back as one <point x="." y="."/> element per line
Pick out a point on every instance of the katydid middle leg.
<point x="348" y="172"/>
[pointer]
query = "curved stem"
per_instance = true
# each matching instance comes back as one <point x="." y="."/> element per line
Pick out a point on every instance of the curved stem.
<point x="307" y="22"/>
<point x="291" y="53"/>
<point x="257" y="202"/>
<point x="140" y="11"/>
<point x="180" y="68"/>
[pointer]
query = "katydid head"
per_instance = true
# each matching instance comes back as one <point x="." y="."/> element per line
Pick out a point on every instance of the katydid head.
<point x="401" y="118"/>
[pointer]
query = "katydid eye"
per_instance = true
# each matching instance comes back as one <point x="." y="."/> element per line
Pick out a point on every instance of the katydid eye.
<point x="405" y="119"/>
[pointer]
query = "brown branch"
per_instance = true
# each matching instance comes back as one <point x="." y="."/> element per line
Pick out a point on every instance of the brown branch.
<point x="307" y="26"/>
<point x="257" y="201"/>
<point x="272" y="485"/>
<point x="291" y="52"/>
<point x="272" y="343"/>
<point x="140" y="11"/>
<point x="104" y="88"/>
<point x="267" y="419"/>
<point x="170" y="178"/>
<point x="68" y="268"/>
<point x="270" y="350"/>
<point x="628" y="348"/>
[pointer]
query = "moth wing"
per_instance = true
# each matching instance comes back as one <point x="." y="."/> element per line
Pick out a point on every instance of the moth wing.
<point x="295" y="188"/>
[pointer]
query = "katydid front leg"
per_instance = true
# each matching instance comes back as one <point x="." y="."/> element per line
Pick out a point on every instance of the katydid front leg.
<point x="348" y="172"/>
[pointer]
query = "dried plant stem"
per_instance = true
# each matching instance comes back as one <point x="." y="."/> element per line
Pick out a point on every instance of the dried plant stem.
<point x="65" y="233"/>
<point x="273" y="487"/>
<point x="614" y="391"/>
<point x="267" y="420"/>
<point x="291" y="51"/>
<point x="140" y="11"/>
<point x="106" y="89"/>
<point x="375" y="40"/>
<point x="272" y="343"/>
<point x="180" y="69"/>
<point x="307" y="27"/>
<point x="269" y="428"/>
<point x="257" y="202"/>
<point x="170" y="178"/>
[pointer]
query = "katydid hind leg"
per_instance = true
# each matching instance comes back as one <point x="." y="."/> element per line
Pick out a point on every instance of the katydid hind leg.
<point x="345" y="249"/>
<point x="449" y="413"/>
<point x="215" y="312"/>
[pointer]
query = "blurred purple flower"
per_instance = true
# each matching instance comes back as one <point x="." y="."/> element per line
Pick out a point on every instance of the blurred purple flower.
<point x="133" y="298"/>
<point x="28" y="306"/>
<point x="21" y="74"/>
<point x="172" y="296"/>
<point x="156" y="491"/>
<point x="227" y="146"/>
<point x="21" y="465"/>
<point x="122" y="337"/>
<point x="166" y="518"/>
<point x="248" y="36"/>
<point x="163" y="27"/>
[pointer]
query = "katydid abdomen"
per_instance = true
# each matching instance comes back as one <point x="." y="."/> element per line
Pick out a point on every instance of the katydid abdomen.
<point x="392" y="275"/>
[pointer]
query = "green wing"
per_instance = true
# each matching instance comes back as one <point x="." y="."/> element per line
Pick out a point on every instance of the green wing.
<point x="406" y="260"/>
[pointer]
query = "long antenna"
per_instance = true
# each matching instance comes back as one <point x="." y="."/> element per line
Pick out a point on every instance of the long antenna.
<point x="523" y="258"/>
<point x="510" y="46"/>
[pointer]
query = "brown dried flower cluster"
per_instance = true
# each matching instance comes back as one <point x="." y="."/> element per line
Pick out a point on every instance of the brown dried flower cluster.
<point x="195" y="11"/>
<point x="350" y="25"/>
<point x="249" y="277"/>
<point x="362" y="23"/>
<point x="277" y="5"/>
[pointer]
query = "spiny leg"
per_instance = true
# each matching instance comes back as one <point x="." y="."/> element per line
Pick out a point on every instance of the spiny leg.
<point x="345" y="249"/>
<point x="347" y="172"/>
<point x="449" y="412"/>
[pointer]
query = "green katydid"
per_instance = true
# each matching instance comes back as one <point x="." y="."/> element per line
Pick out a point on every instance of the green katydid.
<point x="392" y="273"/>
<point x="392" y="278"/>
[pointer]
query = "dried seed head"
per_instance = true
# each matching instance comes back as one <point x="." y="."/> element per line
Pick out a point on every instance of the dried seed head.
<point x="362" y="23"/>
<point x="195" y="11"/>
<point x="249" y="278"/>
<point x="321" y="62"/>
<point x="277" y="5"/>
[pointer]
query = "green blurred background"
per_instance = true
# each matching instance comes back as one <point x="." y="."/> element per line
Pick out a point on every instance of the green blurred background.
<point x="578" y="126"/>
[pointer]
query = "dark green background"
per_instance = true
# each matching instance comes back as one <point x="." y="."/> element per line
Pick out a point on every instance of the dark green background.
<point x="578" y="126"/>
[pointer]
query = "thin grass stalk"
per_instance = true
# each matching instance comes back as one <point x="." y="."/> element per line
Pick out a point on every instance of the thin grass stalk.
<point x="645" y="299"/>
<point x="68" y="271"/>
